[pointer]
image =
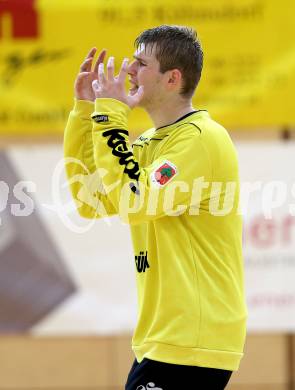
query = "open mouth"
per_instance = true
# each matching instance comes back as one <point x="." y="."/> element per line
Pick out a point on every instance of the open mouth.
<point x="134" y="87"/>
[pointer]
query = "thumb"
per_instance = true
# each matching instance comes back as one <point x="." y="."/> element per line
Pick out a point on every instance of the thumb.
<point x="139" y="93"/>
<point x="138" y="96"/>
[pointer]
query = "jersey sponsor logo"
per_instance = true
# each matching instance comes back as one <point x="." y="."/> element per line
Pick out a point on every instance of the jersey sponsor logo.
<point x="164" y="173"/>
<point x="117" y="142"/>
<point x="100" y="118"/>
<point x="141" y="262"/>
<point x="142" y="138"/>
<point x="149" y="386"/>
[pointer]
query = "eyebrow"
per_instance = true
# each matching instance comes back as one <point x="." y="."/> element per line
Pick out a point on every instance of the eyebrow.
<point x="139" y="58"/>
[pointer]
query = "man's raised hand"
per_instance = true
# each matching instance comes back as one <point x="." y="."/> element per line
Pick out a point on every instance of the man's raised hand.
<point x="108" y="86"/>
<point x="83" y="83"/>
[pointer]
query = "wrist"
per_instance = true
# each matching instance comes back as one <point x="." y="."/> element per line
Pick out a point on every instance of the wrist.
<point x="84" y="97"/>
<point x="107" y="104"/>
<point x="110" y="112"/>
<point x="83" y="108"/>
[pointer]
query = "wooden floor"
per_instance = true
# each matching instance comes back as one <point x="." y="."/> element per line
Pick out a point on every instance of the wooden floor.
<point x="102" y="363"/>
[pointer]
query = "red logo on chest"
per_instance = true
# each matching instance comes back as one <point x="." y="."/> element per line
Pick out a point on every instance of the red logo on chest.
<point x="164" y="173"/>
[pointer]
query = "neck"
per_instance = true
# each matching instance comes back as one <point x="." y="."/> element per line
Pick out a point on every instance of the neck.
<point x="168" y="112"/>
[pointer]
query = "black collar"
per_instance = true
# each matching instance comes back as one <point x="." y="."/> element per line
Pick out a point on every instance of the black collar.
<point x="180" y="119"/>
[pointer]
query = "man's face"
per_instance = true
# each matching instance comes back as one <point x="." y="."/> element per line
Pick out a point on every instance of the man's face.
<point x="145" y="70"/>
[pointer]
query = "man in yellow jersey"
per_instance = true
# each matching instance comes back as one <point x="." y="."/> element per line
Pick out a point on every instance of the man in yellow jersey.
<point x="178" y="188"/>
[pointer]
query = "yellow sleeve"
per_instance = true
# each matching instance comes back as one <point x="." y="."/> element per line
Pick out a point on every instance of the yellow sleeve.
<point x="143" y="193"/>
<point x="83" y="177"/>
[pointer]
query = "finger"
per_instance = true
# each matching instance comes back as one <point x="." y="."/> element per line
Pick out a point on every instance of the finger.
<point x="91" y="53"/>
<point x="100" y="59"/>
<point x="123" y="70"/>
<point x="86" y="65"/>
<point x="95" y="86"/>
<point x="101" y="76"/>
<point x="110" y="68"/>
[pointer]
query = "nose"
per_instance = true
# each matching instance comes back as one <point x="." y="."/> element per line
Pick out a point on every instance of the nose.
<point x="132" y="68"/>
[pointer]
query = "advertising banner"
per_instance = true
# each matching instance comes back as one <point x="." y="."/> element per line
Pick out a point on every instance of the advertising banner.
<point x="249" y="57"/>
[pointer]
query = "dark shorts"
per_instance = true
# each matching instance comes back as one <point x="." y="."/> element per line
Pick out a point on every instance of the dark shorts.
<point x="153" y="375"/>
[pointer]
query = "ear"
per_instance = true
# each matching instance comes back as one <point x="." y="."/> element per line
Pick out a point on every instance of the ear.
<point x="174" y="78"/>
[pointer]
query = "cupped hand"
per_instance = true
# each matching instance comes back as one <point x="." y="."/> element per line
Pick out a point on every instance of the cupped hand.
<point x="111" y="86"/>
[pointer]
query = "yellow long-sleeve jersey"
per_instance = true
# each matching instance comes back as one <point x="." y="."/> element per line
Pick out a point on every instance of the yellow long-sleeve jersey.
<point x="178" y="188"/>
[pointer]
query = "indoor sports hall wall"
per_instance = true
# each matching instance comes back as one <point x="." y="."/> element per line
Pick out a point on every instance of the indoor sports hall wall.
<point x="77" y="276"/>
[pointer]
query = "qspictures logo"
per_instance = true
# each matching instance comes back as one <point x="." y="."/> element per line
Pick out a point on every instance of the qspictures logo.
<point x="19" y="19"/>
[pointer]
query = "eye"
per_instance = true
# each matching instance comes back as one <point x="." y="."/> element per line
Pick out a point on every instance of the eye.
<point x="142" y="64"/>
